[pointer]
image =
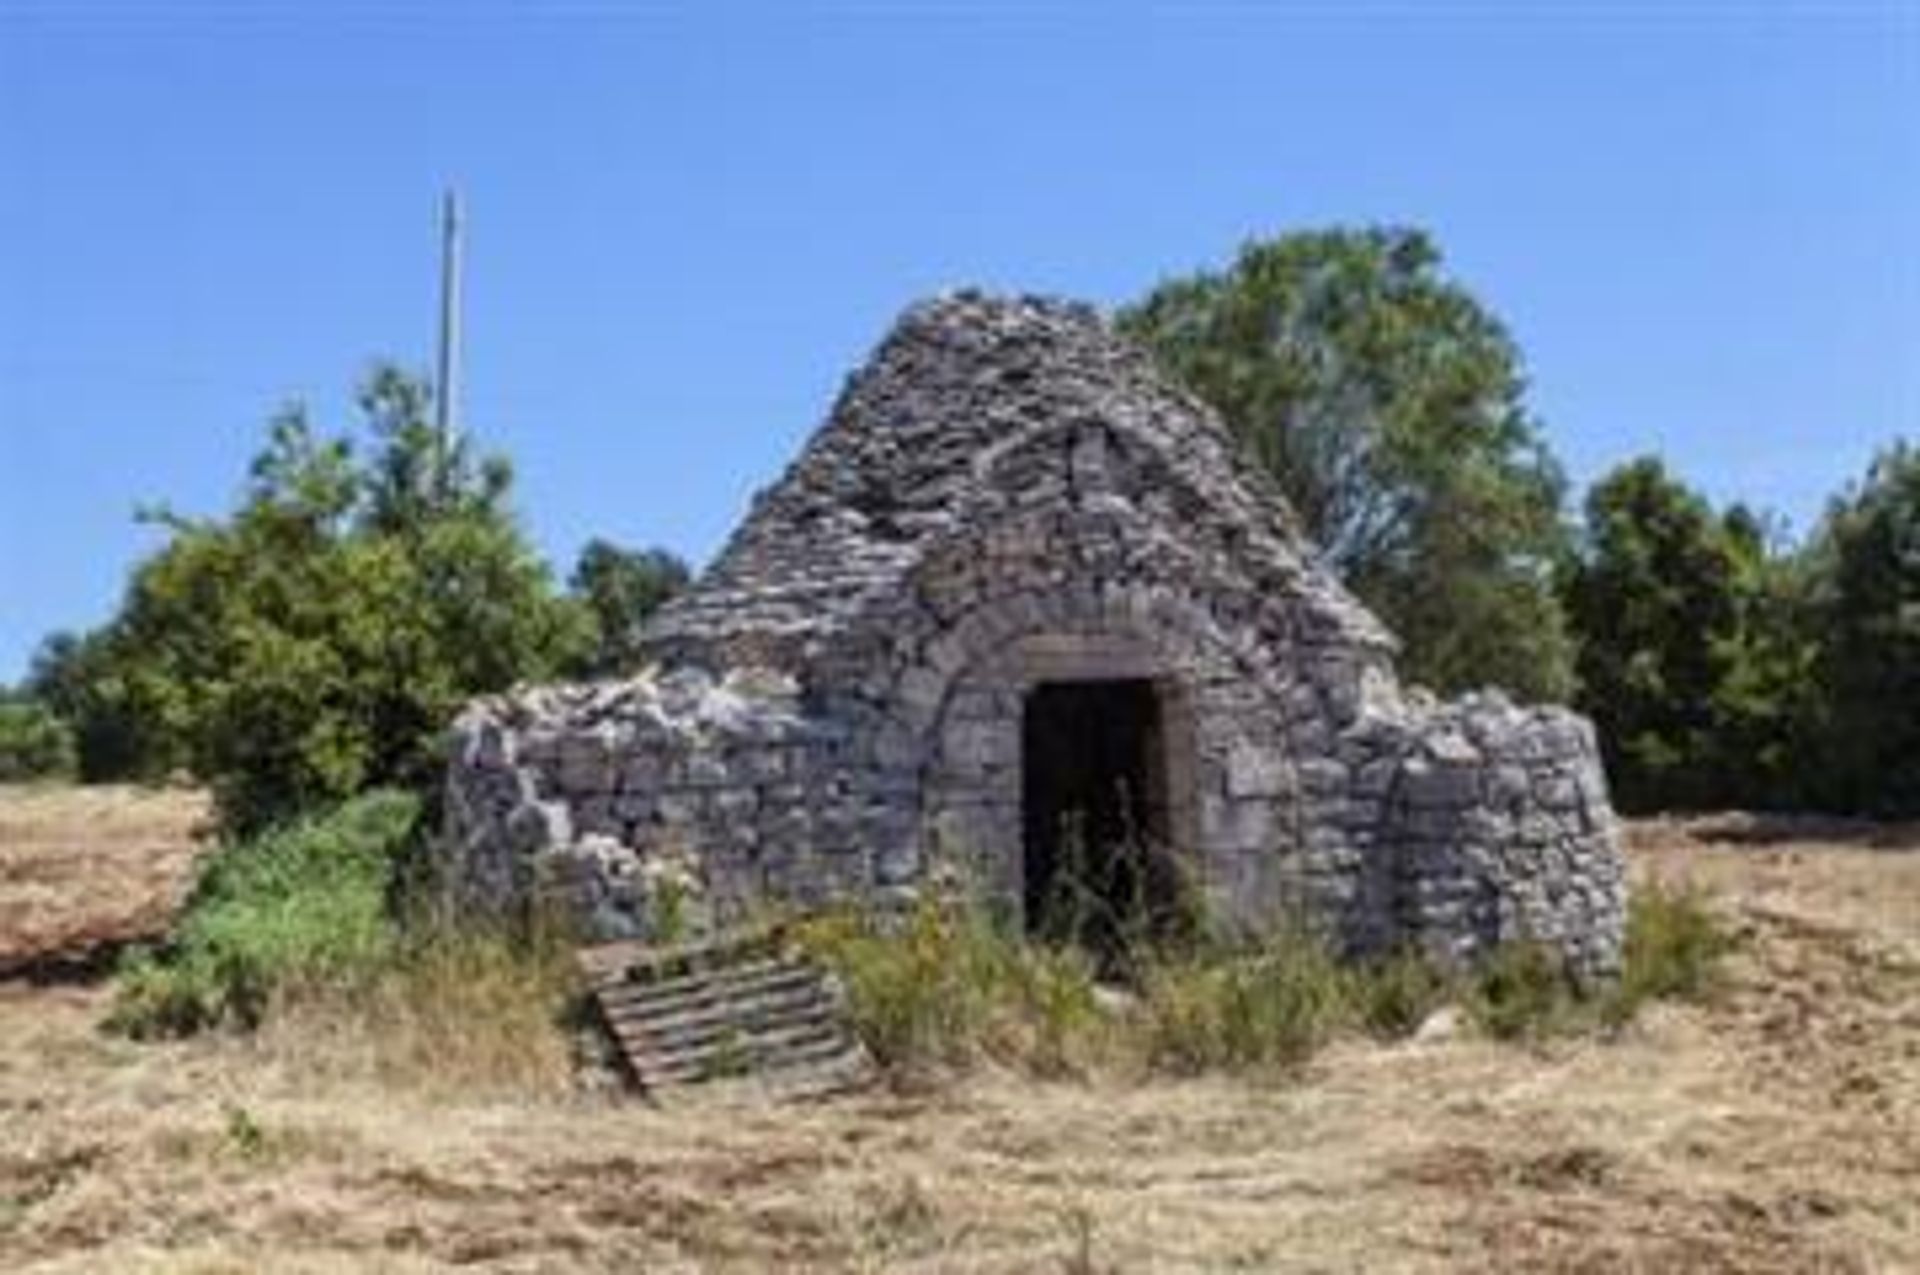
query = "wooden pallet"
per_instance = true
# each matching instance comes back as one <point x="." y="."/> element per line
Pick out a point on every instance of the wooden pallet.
<point x="747" y="1007"/>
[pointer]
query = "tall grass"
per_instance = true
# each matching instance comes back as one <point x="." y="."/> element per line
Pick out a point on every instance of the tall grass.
<point x="296" y="932"/>
<point x="943" y="987"/>
<point x="1675" y="947"/>
<point x="467" y="1010"/>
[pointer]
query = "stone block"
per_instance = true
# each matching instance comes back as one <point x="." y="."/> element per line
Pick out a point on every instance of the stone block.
<point x="1323" y="776"/>
<point x="1257" y="772"/>
<point x="1428" y="785"/>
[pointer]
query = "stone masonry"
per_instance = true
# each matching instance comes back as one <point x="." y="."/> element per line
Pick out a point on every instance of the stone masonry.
<point x="1007" y="496"/>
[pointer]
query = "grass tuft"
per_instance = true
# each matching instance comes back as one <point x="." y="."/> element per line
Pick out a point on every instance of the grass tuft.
<point x="1675" y="948"/>
<point x="1522" y="991"/>
<point x="453" y="1009"/>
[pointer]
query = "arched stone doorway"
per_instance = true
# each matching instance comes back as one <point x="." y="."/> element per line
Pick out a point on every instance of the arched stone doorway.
<point x="1064" y="771"/>
<point x="1099" y="863"/>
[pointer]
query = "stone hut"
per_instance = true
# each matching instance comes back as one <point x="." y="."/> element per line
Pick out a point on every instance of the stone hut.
<point x="1018" y="605"/>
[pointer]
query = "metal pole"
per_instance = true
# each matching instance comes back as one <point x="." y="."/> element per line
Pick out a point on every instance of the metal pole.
<point x="446" y="416"/>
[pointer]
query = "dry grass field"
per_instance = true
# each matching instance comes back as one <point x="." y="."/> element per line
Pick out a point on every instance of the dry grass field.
<point x="85" y="870"/>
<point x="1774" y="1129"/>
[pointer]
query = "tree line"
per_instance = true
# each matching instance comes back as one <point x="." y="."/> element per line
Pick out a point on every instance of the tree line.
<point x="315" y="640"/>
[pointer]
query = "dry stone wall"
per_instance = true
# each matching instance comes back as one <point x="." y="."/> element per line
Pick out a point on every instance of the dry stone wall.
<point x="1008" y="496"/>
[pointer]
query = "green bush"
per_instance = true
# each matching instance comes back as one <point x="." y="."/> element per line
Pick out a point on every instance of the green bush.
<point x="304" y="904"/>
<point x="34" y="744"/>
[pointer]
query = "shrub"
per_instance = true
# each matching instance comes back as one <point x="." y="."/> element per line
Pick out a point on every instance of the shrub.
<point x="34" y="744"/>
<point x="315" y="641"/>
<point x="305" y="904"/>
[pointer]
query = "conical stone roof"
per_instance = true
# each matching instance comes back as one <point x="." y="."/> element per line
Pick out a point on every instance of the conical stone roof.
<point x="912" y="456"/>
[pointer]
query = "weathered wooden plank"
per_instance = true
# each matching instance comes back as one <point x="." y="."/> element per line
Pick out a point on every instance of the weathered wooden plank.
<point x="724" y="1036"/>
<point x="709" y="986"/>
<point x="745" y="1007"/>
<point x="715" y="1064"/>
<point x="801" y="1005"/>
<point x="629" y="958"/>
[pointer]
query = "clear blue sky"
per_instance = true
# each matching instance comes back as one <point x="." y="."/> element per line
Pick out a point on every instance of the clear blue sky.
<point x="1701" y="221"/>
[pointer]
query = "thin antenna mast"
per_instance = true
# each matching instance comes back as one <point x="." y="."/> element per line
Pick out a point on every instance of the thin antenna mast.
<point x="447" y="390"/>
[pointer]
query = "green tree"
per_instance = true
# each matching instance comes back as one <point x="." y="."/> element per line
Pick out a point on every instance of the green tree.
<point x="1865" y="566"/>
<point x="621" y="588"/>
<point x="1693" y="659"/>
<point x="316" y="641"/>
<point x="80" y="679"/>
<point x="1389" y="404"/>
<point x="34" y="744"/>
<point x="1764" y="704"/>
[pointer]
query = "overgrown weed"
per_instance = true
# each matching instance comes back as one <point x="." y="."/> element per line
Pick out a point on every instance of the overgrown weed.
<point x="307" y="902"/>
<point x="1271" y="1005"/>
<point x="476" y="1008"/>
<point x="943" y="987"/>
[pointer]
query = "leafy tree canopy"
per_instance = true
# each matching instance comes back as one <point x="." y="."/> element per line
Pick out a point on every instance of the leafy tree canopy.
<point x="1388" y="402"/>
<point x="1690" y="656"/>
<point x="34" y="743"/>
<point x="1865" y="565"/>
<point x="316" y="641"/>
<point x="621" y="588"/>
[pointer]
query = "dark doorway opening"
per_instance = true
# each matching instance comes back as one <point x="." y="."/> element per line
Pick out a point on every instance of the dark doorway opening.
<point x="1093" y="800"/>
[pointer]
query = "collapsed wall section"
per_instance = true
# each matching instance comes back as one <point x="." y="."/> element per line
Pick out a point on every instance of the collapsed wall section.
<point x="666" y="801"/>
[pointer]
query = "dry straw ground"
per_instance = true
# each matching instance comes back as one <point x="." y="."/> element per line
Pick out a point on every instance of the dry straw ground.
<point x="84" y="870"/>
<point x="1775" y="1129"/>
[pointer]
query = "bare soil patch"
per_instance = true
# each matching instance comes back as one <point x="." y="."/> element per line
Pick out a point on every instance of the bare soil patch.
<point x="1776" y="1128"/>
<point x="86" y="870"/>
